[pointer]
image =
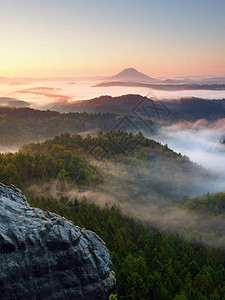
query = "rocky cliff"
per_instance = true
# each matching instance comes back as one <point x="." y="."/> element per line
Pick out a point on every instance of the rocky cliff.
<point x="45" y="256"/>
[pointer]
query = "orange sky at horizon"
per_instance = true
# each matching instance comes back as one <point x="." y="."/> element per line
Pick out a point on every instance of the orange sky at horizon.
<point x="80" y="73"/>
<point x="96" y="38"/>
<point x="36" y="62"/>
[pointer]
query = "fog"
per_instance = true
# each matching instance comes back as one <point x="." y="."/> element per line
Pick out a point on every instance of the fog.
<point x="171" y="218"/>
<point x="200" y="141"/>
<point x="42" y="94"/>
<point x="128" y="188"/>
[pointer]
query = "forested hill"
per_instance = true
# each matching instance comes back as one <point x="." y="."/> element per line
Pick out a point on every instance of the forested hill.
<point x="192" y="108"/>
<point x="118" y="143"/>
<point x="196" y="108"/>
<point x="24" y="125"/>
<point x="147" y="264"/>
<point x="131" y="166"/>
<point x="120" y="104"/>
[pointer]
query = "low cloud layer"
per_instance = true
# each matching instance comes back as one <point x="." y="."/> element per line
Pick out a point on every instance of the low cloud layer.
<point x="48" y="92"/>
<point x="201" y="141"/>
<point x="204" y="229"/>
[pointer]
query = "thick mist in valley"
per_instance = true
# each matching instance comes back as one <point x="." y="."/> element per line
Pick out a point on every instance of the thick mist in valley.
<point x="201" y="142"/>
<point x="129" y="188"/>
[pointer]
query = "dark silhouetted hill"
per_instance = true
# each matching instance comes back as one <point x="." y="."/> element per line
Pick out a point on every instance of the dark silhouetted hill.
<point x="132" y="74"/>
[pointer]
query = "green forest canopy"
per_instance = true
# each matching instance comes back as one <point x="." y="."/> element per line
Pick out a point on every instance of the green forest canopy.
<point x="148" y="265"/>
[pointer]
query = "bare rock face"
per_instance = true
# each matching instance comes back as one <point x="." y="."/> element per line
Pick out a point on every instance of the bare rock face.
<point x="44" y="256"/>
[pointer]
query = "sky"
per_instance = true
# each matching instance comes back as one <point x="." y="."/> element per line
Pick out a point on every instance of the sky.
<point x="94" y="37"/>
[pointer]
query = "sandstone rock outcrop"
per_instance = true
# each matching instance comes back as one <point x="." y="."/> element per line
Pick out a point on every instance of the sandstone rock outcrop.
<point x="44" y="256"/>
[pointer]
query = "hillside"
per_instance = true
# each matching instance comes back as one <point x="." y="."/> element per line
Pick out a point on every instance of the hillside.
<point x="120" y="104"/>
<point x="196" y="108"/>
<point x="129" y="165"/>
<point x="201" y="219"/>
<point x="24" y="125"/>
<point x="136" y="105"/>
<point x="148" y="264"/>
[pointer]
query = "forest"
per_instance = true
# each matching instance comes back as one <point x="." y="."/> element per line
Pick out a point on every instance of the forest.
<point x="148" y="163"/>
<point x="148" y="264"/>
<point x="187" y="108"/>
<point x="23" y="125"/>
<point x="112" y="150"/>
<point x="151" y="259"/>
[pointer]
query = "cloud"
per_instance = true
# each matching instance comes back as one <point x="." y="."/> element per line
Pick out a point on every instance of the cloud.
<point x="165" y="87"/>
<point x="48" y="92"/>
<point x="200" y="141"/>
<point x="19" y="83"/>
<point x="205" y="229"/>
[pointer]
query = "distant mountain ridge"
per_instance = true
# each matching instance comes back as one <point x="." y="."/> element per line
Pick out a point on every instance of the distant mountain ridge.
<point x="131" y="77"/>
<point x="131" y="74"/>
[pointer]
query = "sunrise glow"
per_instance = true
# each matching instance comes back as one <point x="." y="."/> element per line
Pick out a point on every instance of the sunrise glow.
<point x="94" y="38"/>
